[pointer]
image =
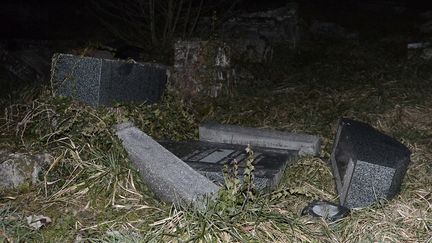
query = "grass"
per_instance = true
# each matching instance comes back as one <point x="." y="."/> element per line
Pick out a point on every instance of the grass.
<point x="92" y="195"/>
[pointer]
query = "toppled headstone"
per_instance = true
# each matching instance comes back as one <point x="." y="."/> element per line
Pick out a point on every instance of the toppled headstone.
<point x="202" y="68"/>
<point x="97" y="81"/>
<point x="20" y="169"/>
<point x="230" y="134"/>
<point x="166" y="175"/>
<point x="367" y="164"/>
<point x="210" y="158"/>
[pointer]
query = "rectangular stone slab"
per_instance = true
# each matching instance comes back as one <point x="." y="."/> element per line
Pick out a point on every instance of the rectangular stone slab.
<point x="367" y="164"/>
<point x="97" y="81"/>
<point x="231" y="134"/>
<point x="165" y="174"/>
<point x="209" y="159"/>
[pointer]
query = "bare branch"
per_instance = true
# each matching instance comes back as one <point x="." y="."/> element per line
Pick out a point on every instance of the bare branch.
<point x="157" y="22"/>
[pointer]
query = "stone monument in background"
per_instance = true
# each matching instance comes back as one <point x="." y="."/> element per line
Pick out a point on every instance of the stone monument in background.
<point x="202" y="68"/>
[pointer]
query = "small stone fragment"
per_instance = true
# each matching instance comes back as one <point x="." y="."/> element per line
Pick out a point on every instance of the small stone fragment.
<point x="38" y="221"/>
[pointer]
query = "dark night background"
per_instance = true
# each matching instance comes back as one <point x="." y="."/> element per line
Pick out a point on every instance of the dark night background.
<point x="47" y="19"/>
<point x="68" y="24"/>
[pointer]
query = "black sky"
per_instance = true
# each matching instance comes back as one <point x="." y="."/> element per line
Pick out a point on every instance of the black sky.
<point x="63" y="19"/>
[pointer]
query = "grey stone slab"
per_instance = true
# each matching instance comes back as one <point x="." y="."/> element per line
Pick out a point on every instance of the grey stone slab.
<point x="21" y="169"/>
<point x="305" y="144"/>
<point x="367" y="164"/>
<point x="166" y="175"/>
<point x="98" y="81"/>
<point x="209" y="159"/>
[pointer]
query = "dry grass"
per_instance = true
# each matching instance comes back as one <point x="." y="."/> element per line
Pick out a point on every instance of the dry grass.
<point x="91" y="193"/>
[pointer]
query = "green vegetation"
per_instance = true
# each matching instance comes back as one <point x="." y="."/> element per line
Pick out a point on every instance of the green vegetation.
<point x="91" y="193"/>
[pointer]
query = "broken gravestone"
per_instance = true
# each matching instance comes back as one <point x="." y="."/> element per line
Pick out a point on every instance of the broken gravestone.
<point x="367" y="164"/>
<point x="97" y="81"/>
<point x="18" y="170"/>
<point x="176" y="171"/>
<point x="209" y="159"/>
<point x="166" y="175"/>
<point x="303" y="143"/>
<point x="202" y="68"/>
<point x="221" y="145"/>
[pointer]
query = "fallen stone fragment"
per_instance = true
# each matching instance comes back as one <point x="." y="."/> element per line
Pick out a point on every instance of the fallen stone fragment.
<point x="217" y="133"/>
<point x="166" y="175"/>
<point x="20" y="169"/>
<point x="367" y="165"/>
<point x="326" y="210"/>
<point x="38" y="221"/>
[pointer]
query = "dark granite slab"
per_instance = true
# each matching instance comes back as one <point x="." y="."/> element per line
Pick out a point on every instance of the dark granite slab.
<point x="367" y="164"/>
<point x="209" y="159"/>
<point x="98" y="81"/>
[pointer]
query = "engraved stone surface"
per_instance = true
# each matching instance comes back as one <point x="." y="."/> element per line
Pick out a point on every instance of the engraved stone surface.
<point x="210" y="158"/>
<point x="367" y="164"/>
<point x="98" y="81"/>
